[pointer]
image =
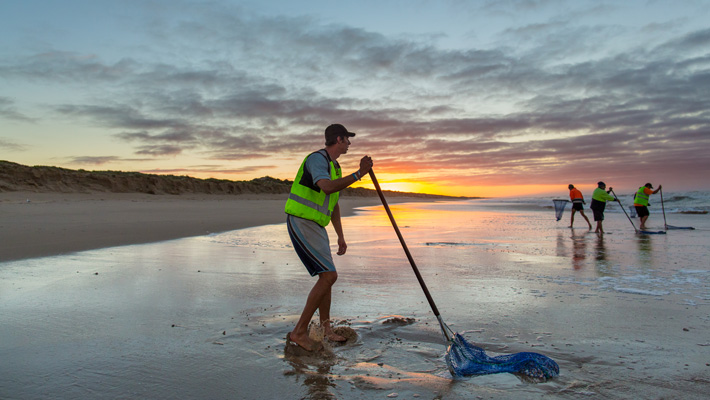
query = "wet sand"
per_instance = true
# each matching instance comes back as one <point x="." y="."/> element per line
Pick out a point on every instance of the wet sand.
<point x="625" y="316"/>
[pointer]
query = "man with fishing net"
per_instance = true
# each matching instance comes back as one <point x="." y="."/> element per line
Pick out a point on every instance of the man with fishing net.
<point x="311" y="205"/>
<point x="577" y="205"/>
<point x="641" y="202"/>
<point x="599" y="198"/>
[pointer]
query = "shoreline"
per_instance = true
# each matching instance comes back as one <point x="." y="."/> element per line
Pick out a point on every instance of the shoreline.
<point x="46" y="224"/>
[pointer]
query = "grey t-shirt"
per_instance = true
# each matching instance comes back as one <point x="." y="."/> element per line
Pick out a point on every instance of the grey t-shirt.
<point x="318" y="167"/>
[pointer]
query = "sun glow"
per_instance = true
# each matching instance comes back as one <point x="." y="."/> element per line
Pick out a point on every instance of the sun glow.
<point x="392" y="183"/>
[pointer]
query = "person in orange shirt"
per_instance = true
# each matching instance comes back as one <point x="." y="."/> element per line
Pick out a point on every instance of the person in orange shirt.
<point x="641" y="202"/>
<point x="577" y="204"/>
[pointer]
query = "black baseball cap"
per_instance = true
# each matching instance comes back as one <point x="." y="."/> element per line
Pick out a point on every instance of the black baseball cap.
<point x="336" y="130"/>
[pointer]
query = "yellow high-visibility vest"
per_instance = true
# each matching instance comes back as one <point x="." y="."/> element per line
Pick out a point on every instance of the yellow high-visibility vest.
<point x="641" y="197"/>
<point x="307" y="200"/>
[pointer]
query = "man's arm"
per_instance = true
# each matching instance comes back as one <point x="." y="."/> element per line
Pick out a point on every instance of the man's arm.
<point x="338" y="226"/>
<point x="337" y="185"/>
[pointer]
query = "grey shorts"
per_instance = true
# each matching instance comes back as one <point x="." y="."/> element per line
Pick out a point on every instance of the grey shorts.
<point x="311" y="243"/>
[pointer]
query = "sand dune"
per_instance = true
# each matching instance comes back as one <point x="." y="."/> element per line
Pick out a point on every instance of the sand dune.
<point x="46" y="179"/>
<point x="46" y="211"/>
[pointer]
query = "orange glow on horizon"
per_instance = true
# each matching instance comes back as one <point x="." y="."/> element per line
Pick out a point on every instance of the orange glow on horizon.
<point x="405" y="183"/>
<point x="470" y="191"/>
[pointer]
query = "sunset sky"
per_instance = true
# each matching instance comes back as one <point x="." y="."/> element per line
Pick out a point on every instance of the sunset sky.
<point x="470" y="98"/>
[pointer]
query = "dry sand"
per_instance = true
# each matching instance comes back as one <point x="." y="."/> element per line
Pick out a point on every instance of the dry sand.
<point x="44" y="224"/>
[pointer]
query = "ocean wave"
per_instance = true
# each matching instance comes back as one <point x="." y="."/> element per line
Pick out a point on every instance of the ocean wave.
<point x="675" y="203"/>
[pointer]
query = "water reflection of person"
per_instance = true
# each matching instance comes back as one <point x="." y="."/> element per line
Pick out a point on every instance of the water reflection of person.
<point x="600" y="250"/>
<point x="311" y="206"/>
<point x="561" y="245"/>
<point x="318" y="377"/>
<point x="645" y="248"/>
<point x="579" y="250"/>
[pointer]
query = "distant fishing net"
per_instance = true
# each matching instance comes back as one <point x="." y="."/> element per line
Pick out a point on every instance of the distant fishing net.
<point x="632" y="211"/>
<point x="466" y="359"/>
<point x="559" y="207"/>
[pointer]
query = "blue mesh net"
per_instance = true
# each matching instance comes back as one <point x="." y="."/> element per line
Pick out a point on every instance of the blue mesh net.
<point x="466" y="359"/>
<point x="559" y="207"/>
<point x="669" y="227"/>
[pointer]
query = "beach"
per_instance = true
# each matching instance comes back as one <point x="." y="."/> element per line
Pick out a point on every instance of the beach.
<point x="43" y="224"/>
<point x="204" y="313"/>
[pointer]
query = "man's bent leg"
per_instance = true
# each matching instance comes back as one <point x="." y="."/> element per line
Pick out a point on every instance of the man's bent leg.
<point x="586" y="219"/>
<point x="320" y="292"/>
<point x="324" y="312"/>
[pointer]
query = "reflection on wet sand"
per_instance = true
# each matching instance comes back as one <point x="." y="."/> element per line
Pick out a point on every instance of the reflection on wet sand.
<point x="579" y="246"/>
<point x="579" y="242"/>
<point x="324" y="370"/>
<point x="645" y="247"/>
<point x="600" y="249"/>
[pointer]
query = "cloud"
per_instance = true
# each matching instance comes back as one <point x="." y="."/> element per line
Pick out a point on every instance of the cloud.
<point x="209" y="169"/>
<point x="10" y="145"/>
<point x="93" y="160"/>
<point x="7" y="111"/>
<point x="67" y="67"/>
<point x="550" y="98"/>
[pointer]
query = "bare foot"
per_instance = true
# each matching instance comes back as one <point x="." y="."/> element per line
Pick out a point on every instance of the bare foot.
<point x="302" y="341"/>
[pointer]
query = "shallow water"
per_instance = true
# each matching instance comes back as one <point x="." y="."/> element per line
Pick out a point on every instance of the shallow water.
<point x="624" y="315"/>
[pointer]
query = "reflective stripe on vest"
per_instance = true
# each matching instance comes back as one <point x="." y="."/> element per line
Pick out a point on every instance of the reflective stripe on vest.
<point x="576" y="200"/>
<point x="308" y="201"/>
<point x="641" y="197"/>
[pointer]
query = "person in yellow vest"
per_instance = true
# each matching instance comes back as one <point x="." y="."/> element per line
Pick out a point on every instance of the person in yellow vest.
<point x="577" y="204"/>
<point x="599" y="198"/>
<point x="311" y="205"/>
<point x="641" y="202"/>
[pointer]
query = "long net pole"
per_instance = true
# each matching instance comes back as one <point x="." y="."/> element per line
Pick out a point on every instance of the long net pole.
<point x="409" y="257"/>
<point x="624" y="210"/>
<point x="663" y="207"/>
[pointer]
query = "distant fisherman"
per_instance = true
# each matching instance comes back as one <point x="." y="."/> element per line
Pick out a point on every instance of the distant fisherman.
<point x="577" y="204"/>
<point x="641" y="202"/>
<point x="599" y="199"/>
